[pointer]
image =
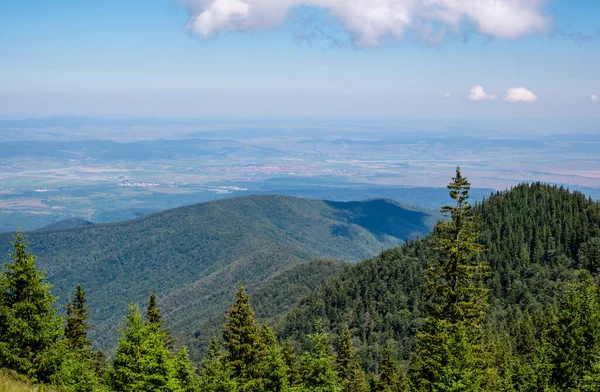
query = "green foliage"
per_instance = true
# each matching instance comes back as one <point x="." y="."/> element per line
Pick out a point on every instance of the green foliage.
<point x="448" y="346"/>
<point x="29" y="327"/>
<point x="77" y="326"/>
<point x="391" y="377"/>
<point x="82" y="369"/>
<point x="318" y="374"/>
<point x="276" y="296"/>
<point x="245" y="351"/>
<point x="455" y="274"/>
<point x="378" y="299"/>
<point x="534" y="325"/>
<point x="382" y="299"/>
<point x="574" y="338"/>
<point x="153" y="315"/>
<point x="217" y="374"/>
<point x="274" y="370"/>
<point x="192" y="256"/>
<point x="348" y="366"/>
<point x="143" y="361"/>
<point x="588" y="255"/>
<point x="291" y="362"/>
<point x="184" y="371"/>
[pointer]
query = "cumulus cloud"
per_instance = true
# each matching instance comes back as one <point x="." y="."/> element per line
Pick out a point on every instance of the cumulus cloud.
<point x="520" y="94"/>
<point x="371" y="21"/>
<point x="594" y="98"/>
<point x="447" y="95"/>
<point x="477" y="93"/>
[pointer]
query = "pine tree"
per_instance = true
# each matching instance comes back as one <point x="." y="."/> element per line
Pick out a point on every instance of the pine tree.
<point x="153" y="315"/>
<point x="275" y="370"/>
<point x="216" y="374"/>
<point x="291" y="362"/>
<point x="391" y="377"/>
<point x="318" y="374"/>
<point x="29" y="328"/>
<point x="82" y="369"/>
<point x="245" y="351"/>
<point x="77" y="326"/>
<point x="348" y="366"/>
<point x="574" y="337"/>
<point x="155" y="322"/>
<point x="184" y="371"/>
<point x="448" y="346"/>
<point x="454" y="283"/>
<point x="142" y="361"/>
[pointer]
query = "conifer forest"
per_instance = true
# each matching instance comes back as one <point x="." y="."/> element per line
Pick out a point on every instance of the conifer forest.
<point x="502" y="295"/>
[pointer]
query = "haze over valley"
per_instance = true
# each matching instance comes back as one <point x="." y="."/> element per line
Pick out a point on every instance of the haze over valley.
<point x="106" y="171"/>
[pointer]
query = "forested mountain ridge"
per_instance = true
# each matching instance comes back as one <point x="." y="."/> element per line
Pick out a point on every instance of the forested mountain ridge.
<point x="193" y="256"/>
<point x="457" y="317"/>
<point x="66" y="224"/>
<point x="537" y="238"/>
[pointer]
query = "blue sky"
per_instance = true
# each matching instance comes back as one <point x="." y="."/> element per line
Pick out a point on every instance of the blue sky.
<point x="163" y="58"/>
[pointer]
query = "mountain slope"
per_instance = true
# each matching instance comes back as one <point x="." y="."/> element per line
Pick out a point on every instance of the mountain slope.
<point x="537" y="237"/>
<point x="193" y="256"/>
<point x="66" y="224"/>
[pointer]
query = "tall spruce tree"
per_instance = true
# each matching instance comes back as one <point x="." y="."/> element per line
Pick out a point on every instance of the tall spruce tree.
<point x="77" y="326"/>
<point x="318" y="374"/>
<point x="246" y="352"/>
<point x="448" y="346"/>
<point x="29" y="327"/>
<point x="184" y="371"/>
<point x="155" y="322"/>
<point x="391" y="377"/>
<point x="82" y="369"/>
<point x="153" y="315"/>
<point x="275" y="370"/>
<point x="143" y="362"/>
<point x="348" y="366"/>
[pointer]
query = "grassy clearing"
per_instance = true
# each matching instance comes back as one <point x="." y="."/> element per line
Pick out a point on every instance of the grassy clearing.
<point x="10" y="384"/>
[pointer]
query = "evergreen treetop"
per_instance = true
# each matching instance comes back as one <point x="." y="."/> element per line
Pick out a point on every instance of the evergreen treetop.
<point x="448" y="354"/>
<point x="318" y="374"/>
<point x="29" y="327"/>
<point x="153" y="315"/>
<point x="244" y="348"/>
<point x="143" y="362"/>
<point x="391" y="377"/>
<point x="77" y="326"/>
<point x="348" y="366"/>
<point x="454" y="283"/>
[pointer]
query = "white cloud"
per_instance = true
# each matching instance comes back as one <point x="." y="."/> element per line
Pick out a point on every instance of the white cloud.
<point x="447" y="95"/>
<point x="594" y="98"/>
<point x="520" y="94"/>
<point x="370" y="21"/>
<point x="477" y="93"/>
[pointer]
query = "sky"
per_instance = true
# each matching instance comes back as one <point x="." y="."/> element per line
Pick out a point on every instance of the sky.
<point x="481" y="59"/>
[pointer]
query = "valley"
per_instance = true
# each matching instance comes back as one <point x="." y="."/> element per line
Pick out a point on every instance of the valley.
<point x="193" y="257"/>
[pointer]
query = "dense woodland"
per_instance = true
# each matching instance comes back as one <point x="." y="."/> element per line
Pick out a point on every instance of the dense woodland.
<point x="192" y="257"/>
<point x="502" y="296"/>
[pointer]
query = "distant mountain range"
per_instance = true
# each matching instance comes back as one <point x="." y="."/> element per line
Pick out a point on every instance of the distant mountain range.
<point x="66" y="224"/>
<point x="193" y="257"/>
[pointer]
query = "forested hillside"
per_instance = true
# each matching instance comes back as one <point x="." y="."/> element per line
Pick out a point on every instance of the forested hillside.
<point x="501" y="296"/>
<point x="537" y="238"/>
<point x="192" y="257"/>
